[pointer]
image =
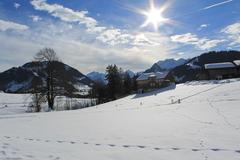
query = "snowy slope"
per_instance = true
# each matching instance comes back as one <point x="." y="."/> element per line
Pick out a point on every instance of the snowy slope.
<point x="13" y="103"/>
<point x="204" y="126"/>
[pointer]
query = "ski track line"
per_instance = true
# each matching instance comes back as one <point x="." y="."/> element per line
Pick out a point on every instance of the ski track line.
<point x="220" y="114"/>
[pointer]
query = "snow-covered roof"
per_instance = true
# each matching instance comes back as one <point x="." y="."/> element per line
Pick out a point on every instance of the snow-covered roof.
<point x="158" y="75"/>
<point x="219" y="65"/>
<point x="237" y="62"/>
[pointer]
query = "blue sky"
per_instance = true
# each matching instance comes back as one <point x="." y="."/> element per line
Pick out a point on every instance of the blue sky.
<point x="90" y="34"/>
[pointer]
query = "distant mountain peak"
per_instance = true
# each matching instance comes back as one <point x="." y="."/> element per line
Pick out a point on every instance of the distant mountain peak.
<point x="97" y="77"/>
<point x="171" y="63"/>
<point x="166" y="65"/>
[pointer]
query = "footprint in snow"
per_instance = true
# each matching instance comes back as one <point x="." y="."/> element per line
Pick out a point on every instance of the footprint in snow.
<point x="97" y="144"/>
<point x="3" y="153"/>
<point x="29" y="156"/>
<point x="238" y="151"/>
<point x="215" y="149"/>
<point x="141" y="146"/>
<point x="126" y="146"/>
<point x="13" y="158"/>
<point x="175" y="149"/>
<point x="157" y="148"/>
<point x="112" y="145"/>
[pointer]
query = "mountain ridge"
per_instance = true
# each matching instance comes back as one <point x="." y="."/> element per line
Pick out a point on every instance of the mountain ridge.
<point x="24" y="78"/>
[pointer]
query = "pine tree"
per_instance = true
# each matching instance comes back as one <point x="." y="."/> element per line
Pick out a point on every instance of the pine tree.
<point x="127" y="84"/>
<point x="114" y="81"/>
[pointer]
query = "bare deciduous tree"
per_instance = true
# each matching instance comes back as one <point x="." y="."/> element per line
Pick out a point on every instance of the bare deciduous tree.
<point x="49" y="56"/>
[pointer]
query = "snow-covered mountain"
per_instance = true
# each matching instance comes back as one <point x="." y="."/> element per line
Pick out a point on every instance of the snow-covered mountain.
<point x="171" y="63"/>
<point x="25" y="78"/>
<point x="205" y="125"/>
<point x="97" y="77"/>
<point x="130" y="73"/>
<point x="166" y="65"/>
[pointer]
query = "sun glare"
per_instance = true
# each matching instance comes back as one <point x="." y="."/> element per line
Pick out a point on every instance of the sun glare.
<point x="154" y="16"/>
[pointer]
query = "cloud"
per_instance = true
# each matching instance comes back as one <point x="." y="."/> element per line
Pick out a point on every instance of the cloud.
<point x="35" y="18"/>
<point x="104" y="34"/>
<point x="180" y="53"/>
<point x="8" y="25"/>
<point x="233" y="33"/>
<point x="65" y="14"/>
<point x="16" y="5"/>
<point x="217" y="4"/>
<point x="81" y="50"/>
<point x="192" y="39"/>
<point x="142" y="40"/>
<point x="89" y="43"/>
<point x="202" y="26"/>
<point x="114" y="37"/>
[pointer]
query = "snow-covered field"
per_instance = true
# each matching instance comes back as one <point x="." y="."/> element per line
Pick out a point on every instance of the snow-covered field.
<point x="204" y="126"/>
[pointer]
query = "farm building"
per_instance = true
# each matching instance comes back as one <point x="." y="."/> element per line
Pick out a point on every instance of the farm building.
<point x="150" y="81"/>
<point x="223" y="70"/>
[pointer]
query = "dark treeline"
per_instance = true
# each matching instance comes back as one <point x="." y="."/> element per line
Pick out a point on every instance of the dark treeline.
<point x="119" y="84"/>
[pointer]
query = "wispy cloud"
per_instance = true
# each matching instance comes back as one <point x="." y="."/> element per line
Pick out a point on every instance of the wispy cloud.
<point x="111" y="36"/>
<point x="65" y="14"/>
<point x="217" y="4"/>
<point x="35" y="18"/>
<point x="8" y="25"/>
<point x="233" y="33"/>
<point x="202" y="26"/>
<point x="16" y="5"/>
<point x="200" y="43"/>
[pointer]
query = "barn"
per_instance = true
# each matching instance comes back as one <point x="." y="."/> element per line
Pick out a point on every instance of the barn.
<point x="153" y="80"/>
<point x="222" y="70"/>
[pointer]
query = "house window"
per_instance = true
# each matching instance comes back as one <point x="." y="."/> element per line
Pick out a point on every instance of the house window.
<point x="152" y="85"/>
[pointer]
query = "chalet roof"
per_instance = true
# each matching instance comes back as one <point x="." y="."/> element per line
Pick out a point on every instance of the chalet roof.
<point x="219" y="65"/>
<point x="158" y="75"/>
<point x="237" y="62"/>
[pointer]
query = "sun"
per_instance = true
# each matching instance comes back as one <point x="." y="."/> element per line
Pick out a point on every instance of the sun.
<point x="154" y="16"/>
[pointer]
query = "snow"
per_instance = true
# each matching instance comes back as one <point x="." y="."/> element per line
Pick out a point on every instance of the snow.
<point x="14" y="86"/>
<point x="179" y="79"/>
<point x="219" y="65"/>
<point x="82" y="89"/>
<point x="205" y="125"/>
<point x="146" y="76"/>
<point x="193" y="65"/>
<point x="237" y="62"/>
<point x="13" y="103"/>
<point x="171" y="63"/>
